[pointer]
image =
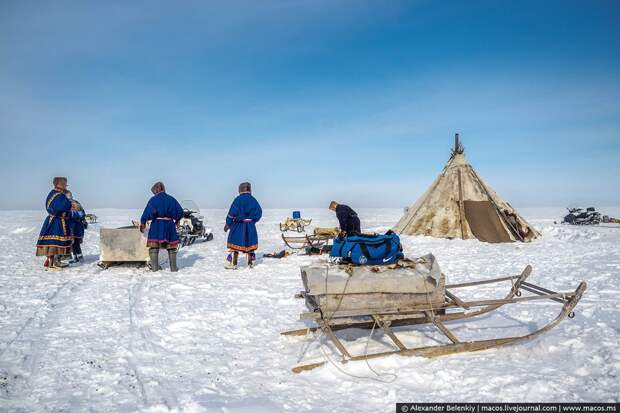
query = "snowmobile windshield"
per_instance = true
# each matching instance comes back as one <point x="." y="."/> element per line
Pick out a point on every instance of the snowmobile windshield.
<point x="190" y="205"/>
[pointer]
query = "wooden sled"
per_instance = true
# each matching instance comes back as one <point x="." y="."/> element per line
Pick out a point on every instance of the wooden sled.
<point x="295" y="224"/>
<point x="303" y="241"/>
<point x="453" y="308"/>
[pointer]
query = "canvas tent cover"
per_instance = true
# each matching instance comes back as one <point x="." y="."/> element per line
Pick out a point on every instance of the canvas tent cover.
<point x="459" y="204"/>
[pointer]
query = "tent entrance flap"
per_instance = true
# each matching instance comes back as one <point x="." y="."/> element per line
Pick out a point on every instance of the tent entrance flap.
<point x="484" y="222"/>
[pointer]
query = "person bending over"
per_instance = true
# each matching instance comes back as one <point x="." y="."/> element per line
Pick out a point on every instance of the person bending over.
<point x="347" y="217"/>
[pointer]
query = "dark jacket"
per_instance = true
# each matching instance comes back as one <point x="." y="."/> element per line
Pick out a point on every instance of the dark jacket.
<point x="349" y="222"/>
<point x="78" y="221"/>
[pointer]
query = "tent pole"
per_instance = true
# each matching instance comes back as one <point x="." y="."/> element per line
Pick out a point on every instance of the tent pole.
<point x="461" y="206"/>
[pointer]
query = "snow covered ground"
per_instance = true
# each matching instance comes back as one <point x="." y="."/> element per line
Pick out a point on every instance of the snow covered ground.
<point x="207" y="340"/>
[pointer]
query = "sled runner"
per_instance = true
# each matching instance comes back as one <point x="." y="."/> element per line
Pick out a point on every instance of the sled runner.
<point x="318" y="240"/>
<point x="302" y="242"/>
<point x="337" y="302"/>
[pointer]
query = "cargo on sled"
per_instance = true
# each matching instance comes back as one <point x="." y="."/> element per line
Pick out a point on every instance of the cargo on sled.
<point x="192" y="226"/>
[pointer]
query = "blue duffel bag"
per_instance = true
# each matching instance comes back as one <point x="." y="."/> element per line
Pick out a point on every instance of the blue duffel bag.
<point x="368" y="249"/>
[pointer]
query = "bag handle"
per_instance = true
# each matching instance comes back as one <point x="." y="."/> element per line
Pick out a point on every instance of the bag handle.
<point x="341" y="247"/>
<point x="364" y="248"/>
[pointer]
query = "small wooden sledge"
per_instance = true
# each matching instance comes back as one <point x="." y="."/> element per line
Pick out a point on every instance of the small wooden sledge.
<point x="329" y="314"/>
<point x="319" y="239"/>
<point x="303" y="241"/>
<point x="295" y="224"/>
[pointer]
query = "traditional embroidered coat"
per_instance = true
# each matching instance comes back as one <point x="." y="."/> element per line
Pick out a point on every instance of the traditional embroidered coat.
<point x="55" y="237"/>
<point x="77" y="221"/>
<point x="163" y="211"/>
<point x="243" y="215"/>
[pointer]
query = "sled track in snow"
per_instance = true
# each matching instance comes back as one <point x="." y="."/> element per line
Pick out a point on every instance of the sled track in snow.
<point x="32" y="318"/>
<point x="32" y="331"/>
<point x="49" y="303"/>
<point x="132" y="365"/>
<point x="141" y="341"/>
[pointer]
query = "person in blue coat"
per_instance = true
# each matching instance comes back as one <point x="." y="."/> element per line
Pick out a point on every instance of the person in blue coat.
<point x="164" y="212"/>
<point x="78" y="225"/>
<point x="55" y="238"/>
<point x="241" y="220"/>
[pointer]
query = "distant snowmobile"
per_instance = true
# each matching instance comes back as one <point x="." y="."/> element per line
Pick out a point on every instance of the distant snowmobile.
<point x="191" y="227"/>
<point x="577" y="216"/>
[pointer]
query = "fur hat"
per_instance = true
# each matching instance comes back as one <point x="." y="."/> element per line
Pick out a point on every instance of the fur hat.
<point x="59" y="179"/>
<point x="158" y="187"/>
<point x="245" y="187"/>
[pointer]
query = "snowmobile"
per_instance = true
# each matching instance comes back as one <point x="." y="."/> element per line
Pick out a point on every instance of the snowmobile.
<point x="191" y="227"/>
<point x="577" y="216"/>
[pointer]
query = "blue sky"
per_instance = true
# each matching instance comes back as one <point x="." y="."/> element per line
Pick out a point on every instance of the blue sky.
<point x="309" y="100"/>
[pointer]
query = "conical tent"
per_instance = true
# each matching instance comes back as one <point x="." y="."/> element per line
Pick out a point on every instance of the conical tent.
<point x="459" y="204"/>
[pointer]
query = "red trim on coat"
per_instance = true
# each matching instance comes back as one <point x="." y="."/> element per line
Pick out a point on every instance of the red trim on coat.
<point x="242" y="249"/>
<point x="157" y="241"/>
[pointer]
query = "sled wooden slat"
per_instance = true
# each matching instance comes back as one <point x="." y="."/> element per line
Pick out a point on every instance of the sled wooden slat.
<point x="442" y="327"/>
<point x="385" y="325"/>
<point x="329" y="333"/>
<point x="538" y="292"/>
<point x="410" y="310"/>
<point x="524" y="274"/>
<point x="307" y="367"/>
<point x="481" y="282"/>
<point x="538" y="287"/>
<point x="457" y="300"/>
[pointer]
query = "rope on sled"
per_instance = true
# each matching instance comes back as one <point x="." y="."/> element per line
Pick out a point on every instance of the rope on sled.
<point x="326" y="356"/>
